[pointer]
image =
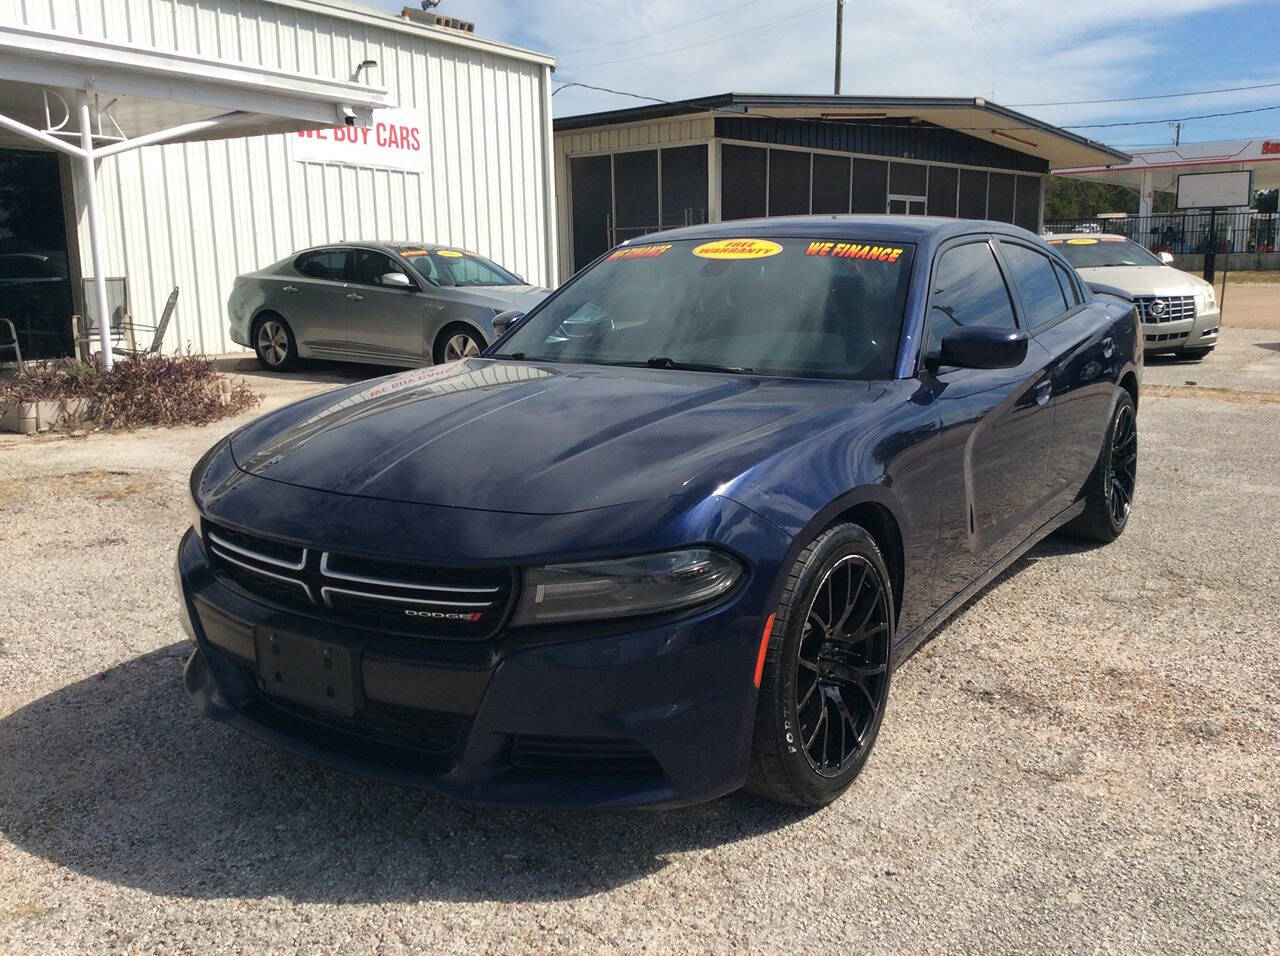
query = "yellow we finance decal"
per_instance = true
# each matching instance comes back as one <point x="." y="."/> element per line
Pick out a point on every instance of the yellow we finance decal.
<point x="853" y="250"/>
<point x="737" y="249"/>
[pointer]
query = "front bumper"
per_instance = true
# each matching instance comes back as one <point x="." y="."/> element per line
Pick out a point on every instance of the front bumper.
<point x="660" y="715"/>
<point x="1198" y="333"/>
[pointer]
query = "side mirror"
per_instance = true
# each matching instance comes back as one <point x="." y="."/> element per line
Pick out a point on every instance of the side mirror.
<point x="504" y="320"/>
<point x="983" y="346"/>
<point x="1166" y="258"/>
<point x="397" y="280"/>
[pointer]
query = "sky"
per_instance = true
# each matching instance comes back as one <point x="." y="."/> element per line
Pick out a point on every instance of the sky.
<point x="1013" y="52"/>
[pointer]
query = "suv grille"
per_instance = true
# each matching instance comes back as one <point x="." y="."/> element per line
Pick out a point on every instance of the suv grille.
<point x="399" y="596"/>
<point x="1157" y="309"/>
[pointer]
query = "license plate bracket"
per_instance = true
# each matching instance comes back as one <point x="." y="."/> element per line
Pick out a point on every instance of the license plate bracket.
<point x="319" y="674"/>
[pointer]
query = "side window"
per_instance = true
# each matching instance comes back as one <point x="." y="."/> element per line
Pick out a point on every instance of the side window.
<point x="967" y="289"/>
<point x="1036" y="282"/>
<point x="367" y="266"/>
<point x="1068" y="287"/>
<point x="323" y="264"/>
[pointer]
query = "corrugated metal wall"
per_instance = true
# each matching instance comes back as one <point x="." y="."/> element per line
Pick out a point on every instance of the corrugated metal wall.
<point x="195" y="215"/>
<point x="612" y="139"/>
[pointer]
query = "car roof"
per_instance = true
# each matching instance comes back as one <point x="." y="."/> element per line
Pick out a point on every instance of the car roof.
<point x="396" y="245"/>
<point x="863" y="227"/>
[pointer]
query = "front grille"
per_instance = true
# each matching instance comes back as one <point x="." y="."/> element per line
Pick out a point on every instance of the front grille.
<point x="388" y="595"/>
<point x="1159" y="309"/>
<point x="582" y="754"/>
<point x="1166" y="336"/>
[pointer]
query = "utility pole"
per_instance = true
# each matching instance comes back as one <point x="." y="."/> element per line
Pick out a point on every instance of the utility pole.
<point x="1177" y="133"/>
<point x="839" y="40"/>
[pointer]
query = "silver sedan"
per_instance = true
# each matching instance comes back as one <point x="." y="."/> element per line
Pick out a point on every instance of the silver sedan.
<point x="406" y="304"/>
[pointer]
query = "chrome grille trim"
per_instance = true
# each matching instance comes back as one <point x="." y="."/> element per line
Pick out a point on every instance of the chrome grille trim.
<point x="326" y="590"/>
<point x="393" y="583"/>
<point x="1177" y="308"/>
<point x="306" y="589"/>
<point x="255" y="556"/>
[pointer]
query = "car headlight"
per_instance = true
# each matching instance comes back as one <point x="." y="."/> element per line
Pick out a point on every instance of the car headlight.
<point x="645" y="584"/>
<point x="1210" y="300"/>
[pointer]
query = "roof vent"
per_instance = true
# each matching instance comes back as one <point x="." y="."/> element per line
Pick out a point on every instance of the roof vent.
<point x="428" y="19"/>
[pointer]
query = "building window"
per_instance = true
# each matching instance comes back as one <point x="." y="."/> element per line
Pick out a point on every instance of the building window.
<point x="908" y="179"/>
<point x="973" y="194"/>
<point x="942" y="190"/>
<point x="830" y="183"/>
<point x="870" y="185"/>
<point x="744" y="177"/>
<point x="789" y="177"/>
<point x="1000" y="197"/>
<point x="1026" y="206"/>
<point x="684" y="186"/>
<point x="591" y="182"/>
<point x="635" y="194"/>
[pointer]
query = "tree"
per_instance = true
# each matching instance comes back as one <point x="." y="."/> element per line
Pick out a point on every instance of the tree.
<point x="1265" y="200"/>
<point x="1072" y="197"/>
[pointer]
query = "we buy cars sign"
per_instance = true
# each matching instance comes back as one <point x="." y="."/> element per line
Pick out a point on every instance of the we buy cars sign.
<point x="396" y="139"/>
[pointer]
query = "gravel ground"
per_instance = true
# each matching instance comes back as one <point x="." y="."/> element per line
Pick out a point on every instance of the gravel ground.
<point x="1087" y="758"/>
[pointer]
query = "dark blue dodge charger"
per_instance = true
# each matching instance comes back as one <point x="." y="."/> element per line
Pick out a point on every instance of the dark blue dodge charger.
<point x="672" y="533"/>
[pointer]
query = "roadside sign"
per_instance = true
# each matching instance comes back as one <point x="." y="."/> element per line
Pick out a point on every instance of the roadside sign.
<point x="1215" y="190"/>
<point x="395" y="139"/>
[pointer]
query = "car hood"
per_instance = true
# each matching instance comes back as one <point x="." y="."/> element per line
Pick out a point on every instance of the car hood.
<point x="537" y="438"/>
<point x="503" y="297"/>
<point x="1146" y="280"/>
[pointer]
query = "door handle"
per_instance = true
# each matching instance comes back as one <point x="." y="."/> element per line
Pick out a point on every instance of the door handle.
<point x="1108" y="347"/>
<point x="1044" y="390"/>
<point x="355" y="297"/>
<point x="290" y="288"/>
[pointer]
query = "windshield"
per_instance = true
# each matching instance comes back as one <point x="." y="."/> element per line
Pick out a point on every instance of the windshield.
<point x="1091" y="253"/>
<point x="453" y="268"/>
<point x="809" y="308"/>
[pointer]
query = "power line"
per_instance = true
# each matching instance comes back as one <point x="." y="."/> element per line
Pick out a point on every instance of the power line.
<point x="694" y="46"/>
<point x="1158" y="96"/>
<point x="675" y="26"/>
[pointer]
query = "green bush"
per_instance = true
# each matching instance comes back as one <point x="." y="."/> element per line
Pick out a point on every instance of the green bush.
<point x="149" y="390"/>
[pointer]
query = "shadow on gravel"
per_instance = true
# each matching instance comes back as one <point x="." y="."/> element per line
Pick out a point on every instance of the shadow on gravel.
<point x="118" y="778"/>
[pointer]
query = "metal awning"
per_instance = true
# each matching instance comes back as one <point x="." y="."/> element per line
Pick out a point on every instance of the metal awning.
<point x="91" y="99"/>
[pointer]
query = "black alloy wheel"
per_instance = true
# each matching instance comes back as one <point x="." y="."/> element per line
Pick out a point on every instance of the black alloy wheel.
<point x="1108" y="494"/>
<point x="842" y="666"/>
<point x="825" y="680"/>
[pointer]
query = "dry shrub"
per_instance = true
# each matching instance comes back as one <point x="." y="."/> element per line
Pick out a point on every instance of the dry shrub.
<point x="147" y="390"/>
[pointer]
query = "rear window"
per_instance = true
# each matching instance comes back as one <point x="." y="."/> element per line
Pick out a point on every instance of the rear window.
<point x="814" y="307"/>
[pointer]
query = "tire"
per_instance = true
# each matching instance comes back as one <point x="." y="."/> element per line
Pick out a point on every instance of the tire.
<point x="1197" y="354"/>
<point x="850" y="678"/>
<point x="451" y="343"/>
<point x="274" y="343"/>
<point x="1109" y="491"/>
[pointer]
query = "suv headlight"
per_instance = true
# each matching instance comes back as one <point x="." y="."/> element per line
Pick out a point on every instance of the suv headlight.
<point x="645" y="584"/>
<point x="1210" y="300"/>
<point x="193" y="511"/>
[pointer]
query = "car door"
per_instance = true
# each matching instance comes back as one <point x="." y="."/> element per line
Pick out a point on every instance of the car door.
<point x="1082" y="357"/>
<point x="385" y="323"/>
<point x="996" y="424"/>
<point x="313" y="304"/>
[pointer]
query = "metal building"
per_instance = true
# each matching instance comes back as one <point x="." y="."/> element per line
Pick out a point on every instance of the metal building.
<point x="449" y="141"/>
<point x="626" y="172"/>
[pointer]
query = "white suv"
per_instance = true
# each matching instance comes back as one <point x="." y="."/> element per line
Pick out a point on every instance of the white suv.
<point x="1179" y="311"/>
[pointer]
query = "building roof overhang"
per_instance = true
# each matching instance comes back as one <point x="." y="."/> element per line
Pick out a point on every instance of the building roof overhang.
<point x="972" y="116"/>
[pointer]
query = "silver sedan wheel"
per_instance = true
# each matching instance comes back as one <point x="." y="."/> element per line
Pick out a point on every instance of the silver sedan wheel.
<point x="460" y="346"/>
<point x="273" y="342"/>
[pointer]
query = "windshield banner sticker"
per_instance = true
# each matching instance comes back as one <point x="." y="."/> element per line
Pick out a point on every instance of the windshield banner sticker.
<point x="411" y="253"/>
<point x="851" y="250"/>
<point x="639" y="252"/>
<point x="737" y="249"/>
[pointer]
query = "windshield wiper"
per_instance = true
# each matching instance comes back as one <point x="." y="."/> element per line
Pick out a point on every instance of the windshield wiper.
<point x="665" y="361"/>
